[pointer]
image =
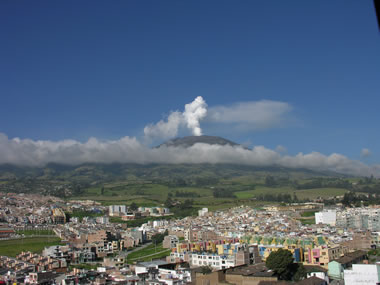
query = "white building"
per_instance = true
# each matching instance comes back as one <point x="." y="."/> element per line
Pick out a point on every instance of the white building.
<point x="102" y="220"/>
<point x="359" y="218"/>
<point x="326" y="217"/>
<point x="203" y="212"/>
<point x="117" y="210"/>
<point x="174" y="277"/>
<point x="362" y="274"/>
<point x="215" y="261"/>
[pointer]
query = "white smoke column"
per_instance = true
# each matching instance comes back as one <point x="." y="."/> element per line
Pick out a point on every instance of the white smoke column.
<point x="194" y="112"/>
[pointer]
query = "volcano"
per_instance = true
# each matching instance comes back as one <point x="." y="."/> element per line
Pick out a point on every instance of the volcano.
<point x="191" y="140"/>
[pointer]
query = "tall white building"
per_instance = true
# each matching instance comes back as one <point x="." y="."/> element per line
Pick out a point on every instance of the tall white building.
<point x="202" y="212"/>
<point x="362" y="274"/>
<point x="117" y="210"/>
<point x="326" y="217"/>
<point x="359" y="218"/>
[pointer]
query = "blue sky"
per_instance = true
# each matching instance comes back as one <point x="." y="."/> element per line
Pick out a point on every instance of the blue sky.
<point x="107" y="69"/>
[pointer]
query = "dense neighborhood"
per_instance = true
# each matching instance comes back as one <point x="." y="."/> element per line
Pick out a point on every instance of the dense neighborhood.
<point x="230" y="246"/>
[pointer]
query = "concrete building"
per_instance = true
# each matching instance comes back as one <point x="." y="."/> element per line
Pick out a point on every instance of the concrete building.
<point x="203" y="212"/>
<point x="362" y="274"/>
<point x="359" y="218"/>
<point x="322" y="255"/>
<point x="6" y="232"/>
<point x="59" y="216"/>
<point x="326" y="217"/>
<point x="102" y="220"/>
<point x="117" y="210"/>
<point x="336" y="267"/>
<point x="170" y="241"/>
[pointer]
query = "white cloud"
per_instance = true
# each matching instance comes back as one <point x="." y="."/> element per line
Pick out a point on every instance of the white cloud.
<point x="165" y="129"/>
<point x="365" y="152"/>
<point x="251" y="115"/>
<point x="281" y="149"/>
<point x="130" y="150"/>
<point x="194" y="112"/>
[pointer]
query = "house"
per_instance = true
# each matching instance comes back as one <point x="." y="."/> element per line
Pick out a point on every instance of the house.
<point x="317" y="271"/>
<point x="170" y="241"/>
<point x="337" y="266"/>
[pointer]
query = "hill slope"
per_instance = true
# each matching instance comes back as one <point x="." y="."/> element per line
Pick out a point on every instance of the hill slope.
<point x="191" y="140"/>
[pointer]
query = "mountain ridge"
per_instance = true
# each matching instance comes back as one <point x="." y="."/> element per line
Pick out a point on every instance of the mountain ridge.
<point x="189" y="141"/>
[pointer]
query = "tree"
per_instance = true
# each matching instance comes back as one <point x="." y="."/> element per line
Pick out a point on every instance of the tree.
<point x="300" y="272"/>
<point x="133" y="206"/>
<point x="157" y="238"/>
<point x="169" y="201"/>
<point x="270" y="181"/>
<point x="206" y="269"/>
<point x="281" y="262"/>
<point x="295" y="198"/>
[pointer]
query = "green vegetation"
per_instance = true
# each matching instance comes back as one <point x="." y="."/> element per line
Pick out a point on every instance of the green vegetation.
<point x="34" y="244"/>
<point x="216" y="186"/>
<point x="36" y="232"/>
<point x="308" y="221"/>
<point x="159" y="238"/>
<point x="374" y="252"/>
<point x="223" y="193"/>
<point x="206" y="269"/>
<point x="85" y="266"/>
<point x="308" y="214"/>
<point x="281" y="262"/>
<point x="148" y="253"/>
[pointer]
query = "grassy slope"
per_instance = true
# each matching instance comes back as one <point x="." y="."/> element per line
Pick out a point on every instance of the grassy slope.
<point x="155" y="194"/>
<point x="36" y="232"/>
<point x="14" y="247"/>
<point x="301" y="194"/>
<point x="148" y="253"/>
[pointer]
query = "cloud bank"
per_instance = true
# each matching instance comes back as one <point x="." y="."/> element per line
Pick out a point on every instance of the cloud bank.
<point x="130" y="150"/>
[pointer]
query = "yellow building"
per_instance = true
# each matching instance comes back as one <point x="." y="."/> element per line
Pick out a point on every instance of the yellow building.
<point x="322" y="255"/>
<point x="59" y="216"/>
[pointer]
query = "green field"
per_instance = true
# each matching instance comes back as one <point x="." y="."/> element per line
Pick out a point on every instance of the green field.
<point x="36" y="232"/>
<point x="141" y="194"/>
<point x="301" y="194"/>
<point x="241" y="190"/>
<point x="155" y="194"/>
<point x="36" y="244"/>
<point x="148" y="253"/>
<point x="308" y="214"/>
<point x="308" y="221"/>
